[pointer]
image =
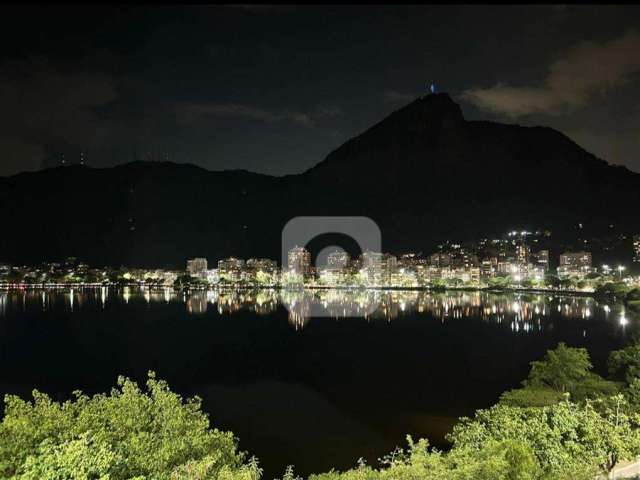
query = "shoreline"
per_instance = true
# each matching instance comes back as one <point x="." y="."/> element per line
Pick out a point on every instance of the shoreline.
<point x="95" y="286"/>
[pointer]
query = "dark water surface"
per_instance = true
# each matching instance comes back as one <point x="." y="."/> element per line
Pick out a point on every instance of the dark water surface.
<point x="315" y="392"/>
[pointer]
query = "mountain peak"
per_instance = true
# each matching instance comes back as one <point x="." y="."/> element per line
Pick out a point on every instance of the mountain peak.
<point x="430" y="113"/>
<point x="433" y="109"/>
<point x="418" y="126"/>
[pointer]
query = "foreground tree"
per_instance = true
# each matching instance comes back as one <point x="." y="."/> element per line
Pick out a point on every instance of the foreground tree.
<point x="506" y="460"/>
<point x="615" y="290"/>
<point x="564" y="438"/>
<point x="632" y="300"/>
<point x="561" y="369"/>
<point x="128" y="434"/>
<point x="624" y="364"/>
<point x="531" y="397"/>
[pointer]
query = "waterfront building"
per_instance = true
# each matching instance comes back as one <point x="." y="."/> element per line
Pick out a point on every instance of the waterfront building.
<point x="466" y="275"/>
<point x="262" y="264"/>
<point x="474" y="274"/>
<point x="575" y="263"/>
<point x="522" y="253"/>
<point x="261" y="270"/>
<point x="509" y="267"/>
<point x="197" y="267"/>
<point x="406" y="277"/>
<point x="411" y="260"/>
<point x="230" y="269"/>
<point x="463" y="258"/>
<point x="372" y="267"/>
<point x="489" y="267"/>
<point x="331" y="277"/>
<point x="541" y="259"/>
<point x="378" y="268"/>
<point x="440" y="260"/>
<point x="299" y="261"/>
<point x="338" y="260"/>
<point x="213" y="276"/>
<point x="536" y="273"/>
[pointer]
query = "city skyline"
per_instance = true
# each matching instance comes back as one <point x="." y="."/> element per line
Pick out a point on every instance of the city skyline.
<point x="515" y="260"/>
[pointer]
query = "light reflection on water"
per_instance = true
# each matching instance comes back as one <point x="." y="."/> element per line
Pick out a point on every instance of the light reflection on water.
<point x="522" y="312"/>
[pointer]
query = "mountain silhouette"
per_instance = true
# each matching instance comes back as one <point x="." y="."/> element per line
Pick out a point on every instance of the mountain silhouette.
<point x="424" y="174"/>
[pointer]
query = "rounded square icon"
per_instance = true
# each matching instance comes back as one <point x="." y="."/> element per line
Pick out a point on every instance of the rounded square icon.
<point x="296" y="259"/>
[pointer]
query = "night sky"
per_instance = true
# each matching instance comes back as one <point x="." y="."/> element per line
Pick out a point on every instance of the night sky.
<point x="275" y="89"/>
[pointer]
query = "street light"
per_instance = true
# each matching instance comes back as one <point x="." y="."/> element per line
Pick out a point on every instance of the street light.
<point x="620" y="270"/>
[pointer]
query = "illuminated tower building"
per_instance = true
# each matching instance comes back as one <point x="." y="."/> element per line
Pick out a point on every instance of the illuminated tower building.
<point x="372" y="264"/>
<point x="389" y="266"/>
<point x="197" y="267"/>
<point x="338" y="260"/>
<point x="575" y="263"/>
<point x="440" y="260"/>
<point x="522" y="253"/>
<point x="489" y="267"/>
<point x="636" y="248"/>
<point x="541" y="259"/>
<point x="299" y="260"/>
<point x="230" y="269"/>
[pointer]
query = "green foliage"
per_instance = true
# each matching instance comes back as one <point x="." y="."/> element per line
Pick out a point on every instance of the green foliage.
<point x="564" y="370"/>
<point x="74" y="460"/>
<point x="499" y="281"/>
<point x="551" y="280"/>
<point x="129" y="433"/>
<point x="617" y="290"/>
<point x="632" y="393"/>
<point x="506" y="460"/>
<point x="594" y="387"/>
<point x="527" y="284"/>
<point x="567" y="283"/>
<point x="454" y="282"/>
<point x="531" y="397"/>
<point x="561" y="369"/>
<point x="632" y="299"/>
<point x="625" y="363"/>
<point x="633" y="295"/>
<point x="565" y="437"/>
<point x="186" y="281"/>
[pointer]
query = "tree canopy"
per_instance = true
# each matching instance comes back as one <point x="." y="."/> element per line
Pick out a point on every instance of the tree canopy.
<point x="129" y="433"/>
<point x="561" y="369"/>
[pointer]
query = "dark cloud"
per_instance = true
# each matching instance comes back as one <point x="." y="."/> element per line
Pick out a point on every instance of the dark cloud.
<point x="584" y="71"/>
<point x="191" y="112"/>
<point x="46" y="104"/>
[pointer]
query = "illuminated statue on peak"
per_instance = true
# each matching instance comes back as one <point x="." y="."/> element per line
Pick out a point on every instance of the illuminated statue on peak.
<point x="433" y="88"/>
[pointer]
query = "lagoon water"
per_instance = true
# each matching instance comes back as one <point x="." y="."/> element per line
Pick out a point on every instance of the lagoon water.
<point x="316" y="379"/>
